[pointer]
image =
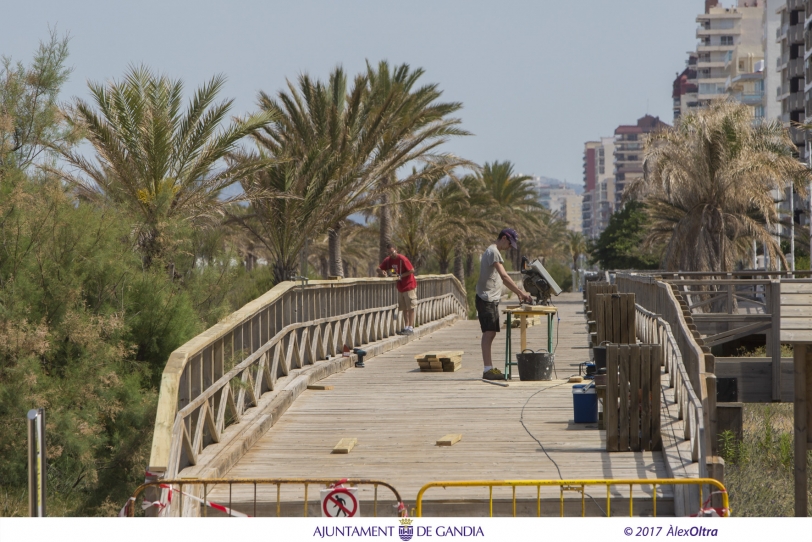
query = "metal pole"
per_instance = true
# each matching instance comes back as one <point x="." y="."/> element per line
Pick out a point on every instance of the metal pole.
<point x="37" y="463"/>
<point x="792" y="227"/>
<point x="32" y="463"/>
<point x="755" y="255"/>
<point x="809" y="216"/>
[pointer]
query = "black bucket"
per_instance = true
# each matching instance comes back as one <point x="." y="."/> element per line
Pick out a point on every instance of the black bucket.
<point x="535" y="365"/>
<point x="599" y="355"/>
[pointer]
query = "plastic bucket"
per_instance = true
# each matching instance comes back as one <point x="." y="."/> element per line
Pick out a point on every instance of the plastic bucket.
<point x="599" y="355"/>
<point x="535" y="365"/>
<point x="584" y="403"/>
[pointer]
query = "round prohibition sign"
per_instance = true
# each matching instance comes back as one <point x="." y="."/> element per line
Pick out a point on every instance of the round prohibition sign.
<point x="340" y="503"/>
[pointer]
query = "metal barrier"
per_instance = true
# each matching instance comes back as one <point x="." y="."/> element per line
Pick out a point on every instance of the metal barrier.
<point x="580" y="486"/>
<point x="168" y="489"/>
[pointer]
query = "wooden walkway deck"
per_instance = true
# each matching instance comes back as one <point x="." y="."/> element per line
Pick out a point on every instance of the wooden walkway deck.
<point x="398" y="413"/>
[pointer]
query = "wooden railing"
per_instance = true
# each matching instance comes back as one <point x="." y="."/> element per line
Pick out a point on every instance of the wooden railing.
<point x="653" y="329"/>
<point x="213" y="380"/>
<point x="662" y="321"/>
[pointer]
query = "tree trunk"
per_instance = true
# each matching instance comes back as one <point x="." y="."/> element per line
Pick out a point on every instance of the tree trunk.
<point x="282" y="271"/>
<point x="469" y="264"/>
<point x="334" y="248"/>
<point x="325" y="268"/>
<point x="385" y="222"/>
<point x="443" y="261"/>
<point x="459" y="268"/>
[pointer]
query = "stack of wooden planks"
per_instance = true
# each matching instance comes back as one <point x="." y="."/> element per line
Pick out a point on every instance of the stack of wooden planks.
<point x="436" y="362"/>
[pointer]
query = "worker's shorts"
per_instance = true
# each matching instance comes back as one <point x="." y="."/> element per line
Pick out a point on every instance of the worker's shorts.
<point x="488" y="313"/>
<point x="407" y="301"/>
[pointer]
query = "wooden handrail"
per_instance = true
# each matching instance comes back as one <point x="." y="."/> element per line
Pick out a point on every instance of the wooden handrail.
<point x="685" y="359"/>
<point x="227" y="368"/>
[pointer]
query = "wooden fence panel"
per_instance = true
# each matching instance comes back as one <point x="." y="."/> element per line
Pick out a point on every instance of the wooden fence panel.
<point x="633" y="388"/>
<point x="615" y="318"/>
<point x="610" y="406"/>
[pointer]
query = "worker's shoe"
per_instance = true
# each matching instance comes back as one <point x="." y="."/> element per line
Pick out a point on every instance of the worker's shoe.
<point x="493" y="374"/>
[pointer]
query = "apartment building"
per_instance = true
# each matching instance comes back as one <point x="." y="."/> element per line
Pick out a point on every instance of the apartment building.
<point x="599" y="186"/>
<point x="684" y="93"/>
<point x="628" y="152"/>
<point x="560" y="197"/>
<point x="730" y="46"/>
<point x="590" y="181"/>
<point x="771" y="23"/>
<point x="790" y="36"/>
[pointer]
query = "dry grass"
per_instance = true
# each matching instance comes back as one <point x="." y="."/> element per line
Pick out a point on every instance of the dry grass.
<point x="758" y="470"/>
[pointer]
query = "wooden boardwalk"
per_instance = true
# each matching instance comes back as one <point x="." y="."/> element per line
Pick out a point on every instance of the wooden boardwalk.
<point x="398" y="413"/>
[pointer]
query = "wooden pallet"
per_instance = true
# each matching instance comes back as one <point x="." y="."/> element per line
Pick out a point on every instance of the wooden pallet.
<point x="437" y="362"/>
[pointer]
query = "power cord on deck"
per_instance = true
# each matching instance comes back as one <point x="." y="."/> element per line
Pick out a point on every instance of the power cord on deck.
<point x="543" y="449"/>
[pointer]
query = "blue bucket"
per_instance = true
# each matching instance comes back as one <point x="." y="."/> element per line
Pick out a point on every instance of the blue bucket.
<point x="584" y="403"/>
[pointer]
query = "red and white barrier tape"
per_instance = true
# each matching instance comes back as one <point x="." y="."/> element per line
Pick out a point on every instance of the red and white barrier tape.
<point x="163" y="506"/>
<point x="712" y="511"/>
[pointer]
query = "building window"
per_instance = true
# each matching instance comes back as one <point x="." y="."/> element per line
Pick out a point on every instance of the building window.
<point x="726" y="40"/>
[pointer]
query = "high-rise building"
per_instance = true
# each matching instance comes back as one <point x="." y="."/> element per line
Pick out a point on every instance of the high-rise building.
<point x="560" y="197"/>
<point x="730" y="47"/>
<point x="790" y="36"/>
<point x="684" y="93"/>
<point x="771" y="24"/>
<point x="628" y="156"/>
<point x="599" y="186"/>
<point x="590" y="181"/>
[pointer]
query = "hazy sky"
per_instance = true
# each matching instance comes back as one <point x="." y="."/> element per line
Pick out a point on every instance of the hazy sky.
<point x="537" y="79"/>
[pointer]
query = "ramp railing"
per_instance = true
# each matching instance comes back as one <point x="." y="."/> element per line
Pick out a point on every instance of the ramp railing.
<point x="212" y="381"/>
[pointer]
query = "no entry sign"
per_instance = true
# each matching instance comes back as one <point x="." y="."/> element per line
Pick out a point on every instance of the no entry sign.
<point x="340" y="502"/>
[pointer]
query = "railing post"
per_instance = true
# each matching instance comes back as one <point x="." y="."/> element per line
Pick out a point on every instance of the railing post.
<point x="774" y="336"/>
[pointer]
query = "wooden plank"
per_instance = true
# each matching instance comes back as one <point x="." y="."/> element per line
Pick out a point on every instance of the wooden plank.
<point x="790" y="287"/>
<point x="796" y="322"/>
<point x="632" y="311"/>
<point x="345" y="445"/>
<point x="796" y="336"/>
<point x="804" y="300"/>
<point x="636" y="391"/>
<point x="623" y="393"/>
<point x="624" y="319"/>
<point x="656" y="392"/>
<point x="645" y="388"/>
<point x="319" y="387"/>
<point x="450" y="440"/>
<point x="615" y="304"/>
<point x="754" y="378"/>
<point x="610" y="408"/>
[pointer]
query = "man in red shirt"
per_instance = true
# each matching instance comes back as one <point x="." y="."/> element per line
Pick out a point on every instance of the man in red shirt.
<point x="400" y="266"/>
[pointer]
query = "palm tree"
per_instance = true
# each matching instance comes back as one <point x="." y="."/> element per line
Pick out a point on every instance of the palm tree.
<point x="576" y="243"/>
<point x="514" y="201"/>
<point x="708" y="186"/>
<point x="419" y="125"/>
<point x="327" y="142"/>
<point x="154" y="159"/>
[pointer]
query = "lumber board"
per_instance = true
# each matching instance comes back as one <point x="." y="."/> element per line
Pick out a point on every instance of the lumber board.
<point x="635" y="396"/>
<point x="450" y="440"/>
<point x="623" y="392"/>
<point x="320" y="387"/>
<point x="345" y="445"/>
<point x="610" y="407"/>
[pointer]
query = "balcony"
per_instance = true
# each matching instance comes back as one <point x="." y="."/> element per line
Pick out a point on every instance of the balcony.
<point x="796" y="102"/>
<point x="749" y="99"/>
<point x="796" y="5"/>
<point x="781" y="61"/>
<point x="702" y="48"/>
<point x="796" y="33"/>
<point x="796" y="67"/>
<point x="781" y="32"/>
<point x="710" y="64"/>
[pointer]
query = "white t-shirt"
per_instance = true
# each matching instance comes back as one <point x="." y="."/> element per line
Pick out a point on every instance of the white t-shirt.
<point x="489" y="285"/>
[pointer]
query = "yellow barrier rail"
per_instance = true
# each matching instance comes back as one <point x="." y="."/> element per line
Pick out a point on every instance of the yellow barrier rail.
<point x="580" y="486"/>
<point x="169" y="495"/>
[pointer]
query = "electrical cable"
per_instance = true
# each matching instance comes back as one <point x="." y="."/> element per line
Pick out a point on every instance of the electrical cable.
<point x="543" y="449"/>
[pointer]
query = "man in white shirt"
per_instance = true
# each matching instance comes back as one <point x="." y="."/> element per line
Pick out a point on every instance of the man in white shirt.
<point x="492" y="275"/>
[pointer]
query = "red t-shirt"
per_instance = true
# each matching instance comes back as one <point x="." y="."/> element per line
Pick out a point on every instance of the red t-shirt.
<point x="400" y="263"/>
